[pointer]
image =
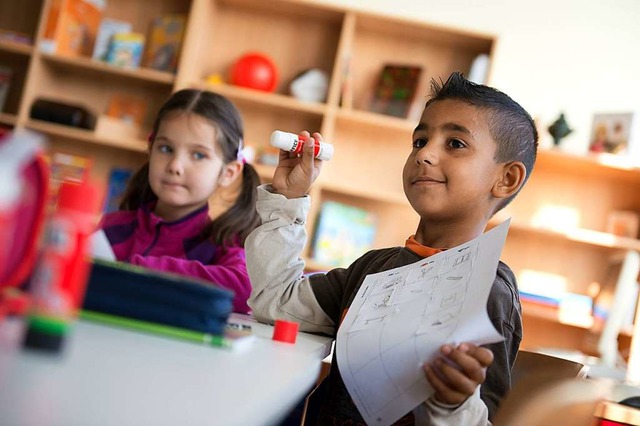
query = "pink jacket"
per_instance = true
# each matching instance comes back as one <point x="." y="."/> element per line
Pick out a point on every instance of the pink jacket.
<point x="142" y="238"/>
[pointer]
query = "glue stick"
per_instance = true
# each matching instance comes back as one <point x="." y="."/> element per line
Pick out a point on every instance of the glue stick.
<point x="60" y="276"/>
<point x="294" y="143"/>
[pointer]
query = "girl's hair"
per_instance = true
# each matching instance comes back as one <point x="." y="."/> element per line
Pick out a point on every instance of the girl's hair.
<point x="239" y="220"/>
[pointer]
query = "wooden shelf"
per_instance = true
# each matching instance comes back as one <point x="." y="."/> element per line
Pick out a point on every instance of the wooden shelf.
<point x="264" y="171"/>
<point x="9" y="119"/>
<point x="365" y="193"/>
<point x="585" y="236"/>
<point x="89" y="136"/>
<point x="276" y="100"/>
<point x="376" y="120"/>
<point x="14" y="47"/>
<point x="591" y="164"/>
<point x="143" y="74"/>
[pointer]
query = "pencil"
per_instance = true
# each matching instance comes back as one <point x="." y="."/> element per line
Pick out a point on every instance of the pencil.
<point x="159" y="329"/>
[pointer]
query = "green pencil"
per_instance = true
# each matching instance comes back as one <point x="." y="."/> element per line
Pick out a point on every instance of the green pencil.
<point x="161" y="329"/>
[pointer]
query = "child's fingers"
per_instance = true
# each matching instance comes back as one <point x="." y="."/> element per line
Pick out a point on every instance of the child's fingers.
<point x="459" y="380"/>
<point x="472" y="360"/>
<point x="308" y="154"/>
<point x="443" y="391"/>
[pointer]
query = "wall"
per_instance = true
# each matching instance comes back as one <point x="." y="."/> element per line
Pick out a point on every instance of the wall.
<point x="576" y="56"/>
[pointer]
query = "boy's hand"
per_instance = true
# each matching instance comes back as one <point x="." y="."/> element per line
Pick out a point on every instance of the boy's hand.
<point x="294" y="175"/>
<point x="458" y="372"/>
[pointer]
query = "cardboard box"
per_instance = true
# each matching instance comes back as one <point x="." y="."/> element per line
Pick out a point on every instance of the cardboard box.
<point x="71" y="27"/>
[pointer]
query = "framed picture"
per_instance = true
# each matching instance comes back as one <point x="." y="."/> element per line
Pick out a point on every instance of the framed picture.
<point x="611" y="133"/>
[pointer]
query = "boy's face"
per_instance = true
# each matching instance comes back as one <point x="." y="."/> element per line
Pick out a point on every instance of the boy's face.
<point x="451" y="170"/>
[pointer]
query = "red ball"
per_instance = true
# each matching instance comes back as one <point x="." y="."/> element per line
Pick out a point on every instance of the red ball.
<point x="256" y="71"/>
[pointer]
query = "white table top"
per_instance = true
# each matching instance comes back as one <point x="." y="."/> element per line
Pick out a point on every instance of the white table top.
<point x="112" y="376"/>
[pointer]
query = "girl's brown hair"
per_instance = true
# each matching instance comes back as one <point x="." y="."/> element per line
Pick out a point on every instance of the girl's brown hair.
<point x="241" y="218"/>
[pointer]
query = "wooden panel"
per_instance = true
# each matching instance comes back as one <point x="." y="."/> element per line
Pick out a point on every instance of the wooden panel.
<point x="370" y="158"/>
<point x="21" y="16"/>
<point x="580" y="264"/>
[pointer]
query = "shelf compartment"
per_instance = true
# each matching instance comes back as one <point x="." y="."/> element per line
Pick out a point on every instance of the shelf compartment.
<point x="380" y="41"/>
<point x="8" y="119"/>
<point x="297" y="36"/>
<point x="371" y="119"/>
<point x="284" y="102"/>
<point x="609" y="166"/>
<point x="101" y="67"/>
<point x="17" y="48"/>
<point x="89" y="136"/>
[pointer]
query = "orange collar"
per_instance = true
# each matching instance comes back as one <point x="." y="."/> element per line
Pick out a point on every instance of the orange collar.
<point x="419" y="249"/>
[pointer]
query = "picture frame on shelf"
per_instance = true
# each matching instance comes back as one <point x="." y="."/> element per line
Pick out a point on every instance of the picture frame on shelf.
<point x="611" y="133"/>
<point x="395" y="90"/>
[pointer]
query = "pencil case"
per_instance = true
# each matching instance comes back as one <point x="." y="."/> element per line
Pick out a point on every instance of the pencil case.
<point x="130" y="291"/>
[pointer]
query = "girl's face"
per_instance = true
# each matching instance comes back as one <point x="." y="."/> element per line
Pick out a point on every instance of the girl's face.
<point x="185" y="165"/>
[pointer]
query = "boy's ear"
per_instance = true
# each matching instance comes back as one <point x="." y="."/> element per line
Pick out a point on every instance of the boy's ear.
<point x="230" y="173"/>
<point x="513" y="176"/>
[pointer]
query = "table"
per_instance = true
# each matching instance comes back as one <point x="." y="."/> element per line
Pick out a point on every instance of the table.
<point x="114" y="376"/>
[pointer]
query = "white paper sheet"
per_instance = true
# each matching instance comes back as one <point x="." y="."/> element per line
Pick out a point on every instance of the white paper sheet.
<point x="100" y="246"/>
<point x="401" y="317"/>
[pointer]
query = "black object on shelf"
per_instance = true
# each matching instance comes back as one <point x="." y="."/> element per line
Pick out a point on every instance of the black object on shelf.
<point x="62" y="113"/>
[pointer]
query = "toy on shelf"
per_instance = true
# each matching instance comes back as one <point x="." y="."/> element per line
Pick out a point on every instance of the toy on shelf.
<point x="310" y="86"/>
<point x="255" y="71"/>
<point x="164" y="42"/>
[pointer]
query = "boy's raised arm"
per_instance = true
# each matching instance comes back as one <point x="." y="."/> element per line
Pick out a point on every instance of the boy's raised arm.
<point x="280" y="290"/>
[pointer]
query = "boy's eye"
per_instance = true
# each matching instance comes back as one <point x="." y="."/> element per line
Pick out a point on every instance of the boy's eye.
<point x="456" y="143"/>
<point x="419" y="143"/>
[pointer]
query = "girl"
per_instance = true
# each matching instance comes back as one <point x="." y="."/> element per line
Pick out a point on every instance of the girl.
<point x="195" y="150"/>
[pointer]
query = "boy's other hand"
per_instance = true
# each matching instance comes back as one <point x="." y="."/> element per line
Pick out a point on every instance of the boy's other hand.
<point x="458" y="372"/>
<point x="295" y="174"/>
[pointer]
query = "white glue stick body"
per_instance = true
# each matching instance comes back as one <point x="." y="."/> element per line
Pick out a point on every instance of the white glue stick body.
<point x="294" y="143"/>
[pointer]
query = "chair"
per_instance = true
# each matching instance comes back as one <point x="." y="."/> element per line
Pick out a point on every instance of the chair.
<point x="550" y="390"/>
<point x="528" y="362"/>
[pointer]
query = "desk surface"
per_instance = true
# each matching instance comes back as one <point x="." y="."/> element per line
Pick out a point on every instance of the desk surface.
<point x="113" y="376"/>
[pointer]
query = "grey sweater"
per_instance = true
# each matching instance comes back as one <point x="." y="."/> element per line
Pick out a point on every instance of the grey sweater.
<point x="318" y="302"/>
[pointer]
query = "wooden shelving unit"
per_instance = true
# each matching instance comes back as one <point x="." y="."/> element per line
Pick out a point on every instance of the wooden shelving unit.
<point x="351" y="47"/>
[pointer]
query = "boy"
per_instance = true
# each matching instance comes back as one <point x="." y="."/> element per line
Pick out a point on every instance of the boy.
<point x="471" y="153"/>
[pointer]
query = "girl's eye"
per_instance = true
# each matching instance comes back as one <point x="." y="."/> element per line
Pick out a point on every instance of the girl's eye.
<point x="456" y="143"/>
<point x="165" y="149"/>
<point x="199" y="156"/>
<point x="419" y="143"/>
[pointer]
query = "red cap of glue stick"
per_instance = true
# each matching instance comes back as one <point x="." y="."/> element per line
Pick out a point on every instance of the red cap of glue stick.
<point x="285" y="331"/>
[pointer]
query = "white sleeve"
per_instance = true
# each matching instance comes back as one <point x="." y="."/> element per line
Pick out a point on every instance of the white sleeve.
<point x="472" y="412"/>
<point x="280" y="290"/>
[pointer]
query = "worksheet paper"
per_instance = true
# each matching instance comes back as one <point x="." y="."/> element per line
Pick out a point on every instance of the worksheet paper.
<point x="401" y="317"/>
<point x="100" y="246"/>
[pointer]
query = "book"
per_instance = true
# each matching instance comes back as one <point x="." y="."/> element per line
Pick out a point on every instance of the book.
<point x="125" y="50"/>
<point x="343" y="233"/>
<point x="395" y="90"/>
<point x="108" y="27"/>
<point x="117" y="184"/>
<point x="71" y="27"/>
<point x="164" y="42"/>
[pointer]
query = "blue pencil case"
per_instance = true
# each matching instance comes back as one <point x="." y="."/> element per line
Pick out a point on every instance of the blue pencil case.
<point x="131" y="291"/>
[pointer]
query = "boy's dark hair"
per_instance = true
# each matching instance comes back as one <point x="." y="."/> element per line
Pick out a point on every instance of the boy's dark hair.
<point x="510" y="125"/>
<point x="240" y="219"/>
